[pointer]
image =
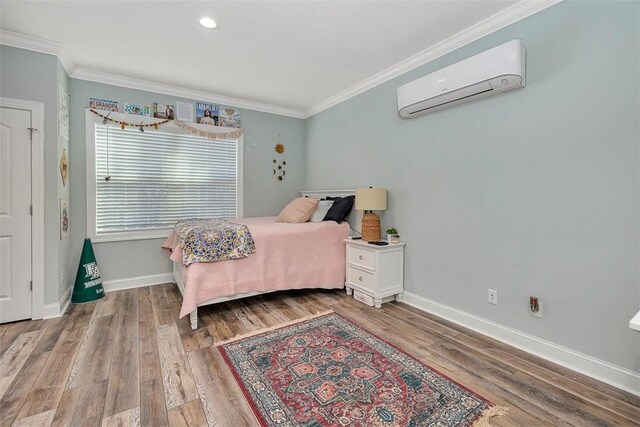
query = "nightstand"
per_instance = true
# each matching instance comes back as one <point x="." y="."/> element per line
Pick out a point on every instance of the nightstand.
<point x="374" y="273"/>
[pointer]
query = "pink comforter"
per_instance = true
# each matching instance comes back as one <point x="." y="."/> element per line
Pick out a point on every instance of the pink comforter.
<point x="288" y="256"/>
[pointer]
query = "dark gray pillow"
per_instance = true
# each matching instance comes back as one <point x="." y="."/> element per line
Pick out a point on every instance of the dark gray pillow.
<point x="340" y="209"/>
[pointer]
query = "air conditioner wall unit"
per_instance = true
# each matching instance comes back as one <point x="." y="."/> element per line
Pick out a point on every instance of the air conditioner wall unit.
<point x="489" y="73"/>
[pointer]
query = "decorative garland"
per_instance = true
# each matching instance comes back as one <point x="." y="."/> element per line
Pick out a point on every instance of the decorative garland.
<point x="184" y="126"/>
<point x="208" y="134"/>
<point x="124" y="124"/>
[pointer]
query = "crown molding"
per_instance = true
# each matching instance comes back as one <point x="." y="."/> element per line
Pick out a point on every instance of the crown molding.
<point x="504" y="18"/>
<point x="149" y="86"/>
<point x="36" y="44"/>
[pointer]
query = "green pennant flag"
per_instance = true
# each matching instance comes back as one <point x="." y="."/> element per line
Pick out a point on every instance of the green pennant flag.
<point x="88" y="286"/>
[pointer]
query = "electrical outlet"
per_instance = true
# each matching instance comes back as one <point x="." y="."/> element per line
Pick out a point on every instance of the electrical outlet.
<point x="493" y="297"/>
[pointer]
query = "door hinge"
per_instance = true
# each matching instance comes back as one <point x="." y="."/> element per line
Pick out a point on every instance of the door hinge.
<point x="31" y="132"/>
<point x="31" y="210"/>
<point x="31" y="285"/>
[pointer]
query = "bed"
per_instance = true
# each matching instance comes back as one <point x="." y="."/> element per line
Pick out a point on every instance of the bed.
<point x="287" y="256"/>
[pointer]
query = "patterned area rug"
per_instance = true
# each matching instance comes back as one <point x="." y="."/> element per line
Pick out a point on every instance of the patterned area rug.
<point x="326" y="371"/>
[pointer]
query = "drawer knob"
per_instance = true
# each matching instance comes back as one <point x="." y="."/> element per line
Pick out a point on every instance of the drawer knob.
<point x="360" y="257"/>
<point x="360" y="278"/>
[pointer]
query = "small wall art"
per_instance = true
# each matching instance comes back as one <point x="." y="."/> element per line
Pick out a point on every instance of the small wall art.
<point x="184" y="112"/>
<point x="64" y="218"/>
<point x="163" y="111"/>
<point x="229" y="117"/>
<point x="64" y="167"/>
<point x="63" y="113"/>
<point x="137" y="109"/>
<point x="207" y="114"/>
<point x="104" y="104"/>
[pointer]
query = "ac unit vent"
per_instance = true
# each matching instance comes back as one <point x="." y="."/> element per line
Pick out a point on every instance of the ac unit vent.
<point x="443" y="101"/>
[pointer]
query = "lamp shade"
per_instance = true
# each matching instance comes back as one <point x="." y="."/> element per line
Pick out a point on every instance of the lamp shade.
<point x="371" y="199"/>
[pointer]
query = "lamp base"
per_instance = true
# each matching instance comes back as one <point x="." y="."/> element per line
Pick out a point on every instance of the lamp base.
<point x="371" y="227"/>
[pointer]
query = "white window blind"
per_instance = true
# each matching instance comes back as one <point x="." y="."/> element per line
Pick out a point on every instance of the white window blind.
<point x="158" y="178"/>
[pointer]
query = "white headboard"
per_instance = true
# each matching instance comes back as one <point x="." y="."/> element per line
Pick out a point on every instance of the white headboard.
<point x="354" y="218"/>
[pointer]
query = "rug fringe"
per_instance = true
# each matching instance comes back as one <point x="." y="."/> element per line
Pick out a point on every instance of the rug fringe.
<point x="487" y="415"/>
<point x="271" y="328"/>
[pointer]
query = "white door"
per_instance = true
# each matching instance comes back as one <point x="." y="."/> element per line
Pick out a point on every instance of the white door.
<point x="15" y="215"/>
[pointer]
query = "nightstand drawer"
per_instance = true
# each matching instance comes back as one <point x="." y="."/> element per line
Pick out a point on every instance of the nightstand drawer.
<point x="360" y="278"/>
<point x="361" y="257"/>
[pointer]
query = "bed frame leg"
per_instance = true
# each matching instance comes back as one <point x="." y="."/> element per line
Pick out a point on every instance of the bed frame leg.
<point x="349" y="290"/>
<point x="193" y="317"/>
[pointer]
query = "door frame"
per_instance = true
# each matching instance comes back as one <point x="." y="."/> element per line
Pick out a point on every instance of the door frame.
<point x="37" y="199"/>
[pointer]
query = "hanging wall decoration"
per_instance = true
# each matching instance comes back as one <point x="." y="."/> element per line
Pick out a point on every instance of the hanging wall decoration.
<point x="278" y="166"/>
<point x="63" y="113"/>
<point x="188" y="127"/>
<point x="211" y="134"/>
<point x="64" y="167"/>
<point x="123" y="124"/>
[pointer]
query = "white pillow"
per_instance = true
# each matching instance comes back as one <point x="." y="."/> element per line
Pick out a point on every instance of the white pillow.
<point x="321" y="210"/>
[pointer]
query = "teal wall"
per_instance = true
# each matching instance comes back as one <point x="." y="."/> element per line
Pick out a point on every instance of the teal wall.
<point x="33" y="76"/>
<point x="533" y="192"/>
<point x="263" y="195"/>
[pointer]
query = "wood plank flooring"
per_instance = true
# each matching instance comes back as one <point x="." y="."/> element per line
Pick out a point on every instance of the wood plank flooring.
<point x="127" y="360"/>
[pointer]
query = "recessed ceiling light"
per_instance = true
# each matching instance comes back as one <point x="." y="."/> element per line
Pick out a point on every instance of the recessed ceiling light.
<point x="208" y="23"/>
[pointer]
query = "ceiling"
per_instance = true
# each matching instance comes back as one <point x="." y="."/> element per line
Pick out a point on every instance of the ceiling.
<point x="292" y="54"/>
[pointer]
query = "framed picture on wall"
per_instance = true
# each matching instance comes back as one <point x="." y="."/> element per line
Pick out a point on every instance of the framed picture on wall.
<point x="63" y="113"/>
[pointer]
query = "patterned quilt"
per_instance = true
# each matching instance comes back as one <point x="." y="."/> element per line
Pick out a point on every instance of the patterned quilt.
<point x="207" y="240"/>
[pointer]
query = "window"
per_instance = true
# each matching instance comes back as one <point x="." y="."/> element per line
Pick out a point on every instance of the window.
<point x="141" y="183"/>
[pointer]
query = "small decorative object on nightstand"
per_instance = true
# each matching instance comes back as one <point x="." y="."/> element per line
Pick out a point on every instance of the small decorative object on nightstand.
<point x="374" y="273"/>
<point x="392" y="235"/>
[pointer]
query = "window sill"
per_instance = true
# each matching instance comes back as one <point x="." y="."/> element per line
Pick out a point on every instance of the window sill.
<point x="124" y="237"/>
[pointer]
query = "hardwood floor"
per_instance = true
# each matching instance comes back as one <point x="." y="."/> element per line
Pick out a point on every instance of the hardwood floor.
<point x="128" y="360"/>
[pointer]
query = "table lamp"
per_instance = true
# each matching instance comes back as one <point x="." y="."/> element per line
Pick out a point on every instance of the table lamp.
<point x="369" y="200"/>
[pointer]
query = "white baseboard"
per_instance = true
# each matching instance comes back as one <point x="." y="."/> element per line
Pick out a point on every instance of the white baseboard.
<point x="600" y="370"/>
<point x="59" y="308"/>
<point x="136" y="282"/>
